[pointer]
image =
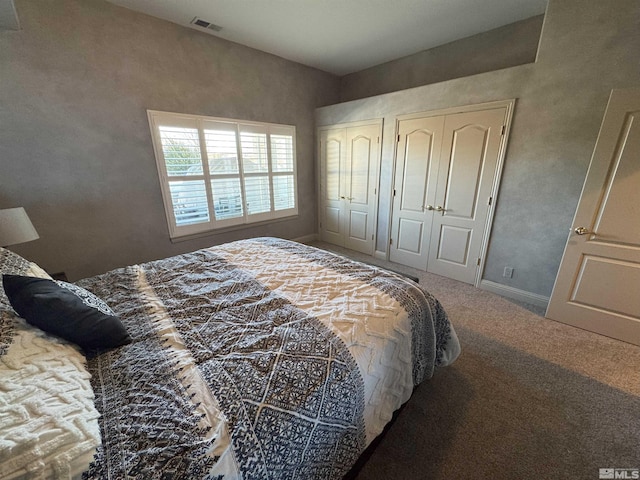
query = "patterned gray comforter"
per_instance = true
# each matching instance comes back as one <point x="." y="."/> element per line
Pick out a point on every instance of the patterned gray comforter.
<point x="258" y="359"/>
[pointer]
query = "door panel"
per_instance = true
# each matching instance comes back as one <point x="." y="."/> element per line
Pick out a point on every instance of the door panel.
<point x="410" y="236"/>
<point x="599" y="277"/>
<point x="454" y="244"/>
<point x="332" y="165"/>
<point x="358" y="226"/>
<point x="469" y="157"/>
<point x="361" y="150"/>
<point x="332" y="220"/>
<point x="465" y="169"/>
<point x="416" y="175"/>
<point x="623" y="190"/>
<point x="360" y="202"/>
<point x="607" y="284"/>
<point x="418" y="151"/>
<point x="349" y="163"/>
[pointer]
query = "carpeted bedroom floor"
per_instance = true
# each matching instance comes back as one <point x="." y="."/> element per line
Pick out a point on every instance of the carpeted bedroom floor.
<point x="528" y="398"/>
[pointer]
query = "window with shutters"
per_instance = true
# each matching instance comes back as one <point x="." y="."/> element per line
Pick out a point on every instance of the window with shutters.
<point x="217" y="172"/>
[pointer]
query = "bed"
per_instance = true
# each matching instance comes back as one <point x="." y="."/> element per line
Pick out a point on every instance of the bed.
<point x="261" y="358"/>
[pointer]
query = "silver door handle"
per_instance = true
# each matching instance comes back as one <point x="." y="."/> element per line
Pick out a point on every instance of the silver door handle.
<point x="439" y="209"/>
<point x="428" y="207"/>
<point x="342" y="197"/>
<point x="583" y="231"/>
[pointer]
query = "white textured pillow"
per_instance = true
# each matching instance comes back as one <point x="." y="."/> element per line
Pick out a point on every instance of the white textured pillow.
<point x="48" y="421"/>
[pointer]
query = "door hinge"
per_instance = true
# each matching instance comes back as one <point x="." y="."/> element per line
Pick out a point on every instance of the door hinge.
<point x="375" y="191"/>
<point x="372" y="236"/>
<point x="394" y="192"/>
<point x="378" y="139"/>
<point x="478" y="261"/>
<point x="504" y="127"/>
<point x="490" y="200"/>
<point x="320" y="224"/>
<point x="391" y="241"/>
<point x="398" y="138"/>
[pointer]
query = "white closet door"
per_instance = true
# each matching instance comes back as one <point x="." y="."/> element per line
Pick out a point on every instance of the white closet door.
<point x="468" y="161"/>
<point x="332" y="171"/>
<point x="416" y="175"/>
<point x="363" y="153"/>
<point x="349" y="166"/>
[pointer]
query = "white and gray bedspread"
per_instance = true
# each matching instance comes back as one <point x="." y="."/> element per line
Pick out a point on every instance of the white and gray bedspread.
<point x="258" y="359"/>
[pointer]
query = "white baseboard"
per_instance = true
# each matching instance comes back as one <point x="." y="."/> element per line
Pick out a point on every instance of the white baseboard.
<point x="515" y="293"/>
<point x="380" y="255"/>
<point x="306" y="238"/>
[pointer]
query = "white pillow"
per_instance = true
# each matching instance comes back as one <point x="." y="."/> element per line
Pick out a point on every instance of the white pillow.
<point x="48" y="420"/>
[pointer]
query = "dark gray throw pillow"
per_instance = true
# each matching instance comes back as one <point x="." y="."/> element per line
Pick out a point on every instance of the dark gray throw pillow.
<point x="66" y="310"/>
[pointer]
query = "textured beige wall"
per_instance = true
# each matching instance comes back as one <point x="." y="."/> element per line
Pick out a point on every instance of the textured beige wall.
<point x="587" y="48"/>
<point x="8" y="15"/>
<point x="75" y="147"/>
<point x="508" y="46"/>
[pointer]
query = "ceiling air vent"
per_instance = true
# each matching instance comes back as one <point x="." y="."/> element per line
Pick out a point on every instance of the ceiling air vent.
<point x="204" y="24"/>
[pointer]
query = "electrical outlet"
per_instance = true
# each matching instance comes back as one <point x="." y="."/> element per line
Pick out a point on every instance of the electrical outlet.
<point x="508" y="272"/>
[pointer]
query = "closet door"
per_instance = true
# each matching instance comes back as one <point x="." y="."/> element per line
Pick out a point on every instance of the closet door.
<point x="360" y="202"/>
<point x="349" y="165"/>
<point x="333" y="155"/>
<point x="417" y="157"/>
<point x="468" y="161"/>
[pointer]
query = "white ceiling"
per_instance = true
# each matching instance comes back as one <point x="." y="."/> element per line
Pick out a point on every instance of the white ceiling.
<point x="342" y="36"/>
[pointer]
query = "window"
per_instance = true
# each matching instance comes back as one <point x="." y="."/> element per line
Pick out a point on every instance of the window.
<point x="217" y="172"/>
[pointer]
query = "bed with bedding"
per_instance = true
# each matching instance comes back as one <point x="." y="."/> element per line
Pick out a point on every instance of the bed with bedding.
<point x="256" y="359"/>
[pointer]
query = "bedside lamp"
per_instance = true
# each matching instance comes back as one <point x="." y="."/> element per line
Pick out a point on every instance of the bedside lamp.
<point x="15" y="227"/>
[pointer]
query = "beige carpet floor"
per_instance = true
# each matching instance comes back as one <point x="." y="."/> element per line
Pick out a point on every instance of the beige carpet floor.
<point x="528" y="398"/>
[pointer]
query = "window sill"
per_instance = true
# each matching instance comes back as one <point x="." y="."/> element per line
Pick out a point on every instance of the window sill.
<point x="244" y="226"/>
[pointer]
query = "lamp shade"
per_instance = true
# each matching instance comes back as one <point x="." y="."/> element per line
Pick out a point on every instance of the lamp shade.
<point x="15" y="227"/>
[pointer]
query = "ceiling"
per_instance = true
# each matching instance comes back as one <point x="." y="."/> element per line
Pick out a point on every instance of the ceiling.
<point x="342" y="36"/>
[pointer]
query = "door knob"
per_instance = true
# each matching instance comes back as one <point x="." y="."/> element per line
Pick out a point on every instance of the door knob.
<point x="342" y="197"/>
<point x="439" y="209"/>
<point x="582" y="231"/>
<point x="428" y="207"/>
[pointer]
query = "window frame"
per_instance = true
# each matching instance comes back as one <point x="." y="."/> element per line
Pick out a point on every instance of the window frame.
<point x="199" y="123"/>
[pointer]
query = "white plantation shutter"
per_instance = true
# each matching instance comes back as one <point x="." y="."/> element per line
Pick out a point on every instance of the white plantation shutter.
<point x="181" y="149"/>
<point x="217" y="172"/>
<point x="282" y="153"/>
<point x="283" y="162"/>
<point x="258" y="194"/>
<point x="221" y="149"/>
<point x="227" y="198"/>
<point x="254" y="150"/>
<point x="283" y="192"/>
<point x="255" y="167"/>
<point x="189" y="199"/>
<point x="221" y="139"/>
<point x="183" y="169"/>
